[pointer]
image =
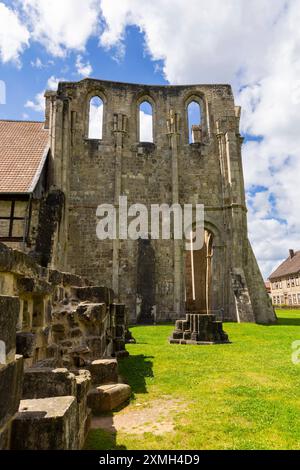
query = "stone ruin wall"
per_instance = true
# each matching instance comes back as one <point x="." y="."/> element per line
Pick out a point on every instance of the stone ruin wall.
<point x="91" y="172"/>
<point x="55" y="328"/>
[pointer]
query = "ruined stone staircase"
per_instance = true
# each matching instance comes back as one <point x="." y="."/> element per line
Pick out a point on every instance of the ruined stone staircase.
<point x="199" y="328"/>
<point x="55" y="331"/>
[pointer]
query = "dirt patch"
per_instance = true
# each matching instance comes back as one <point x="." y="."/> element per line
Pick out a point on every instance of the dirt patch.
<point x="156" y="417"/>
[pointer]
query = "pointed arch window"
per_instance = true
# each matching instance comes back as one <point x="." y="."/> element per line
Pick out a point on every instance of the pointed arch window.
<point x="195" y="122"/>
<point x="95" y="118"/>
<point x="146" y="122"/>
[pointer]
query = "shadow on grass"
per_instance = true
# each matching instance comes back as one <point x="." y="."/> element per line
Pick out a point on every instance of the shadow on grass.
<point x="103" y="435"/>
<point x="288" y="321"/>
<point x="103" y="439"/>
<point x="135" y="369"/>
<point x="137" y="325"/>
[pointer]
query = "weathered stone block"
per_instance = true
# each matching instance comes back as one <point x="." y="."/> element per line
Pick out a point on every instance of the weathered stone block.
<point x="5" y="436"/>
<point x="46" y="424"/>
<point x="94" y="294"/>
<point x="97" y="345"/>
<point x="26" y="344"/>
<point x="9" y="313"/>
<point x="108" y="397"/>
<point x="91" y="312"/>
<point x="120" y="313"/>
<point x="55" y="277"/>
<point x="83" y="383"/>
<point x="11" y="378"/>
<point x="29" y="285"/>
<point x="43" y="383"/>
<point x="70" y="279"/>
<point x="104" y="371"/>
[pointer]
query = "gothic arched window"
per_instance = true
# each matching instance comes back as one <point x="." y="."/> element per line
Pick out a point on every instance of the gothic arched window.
<point x="194" y="122"/>
<point x="95" y="118"/>
<point x="145" y="122"/>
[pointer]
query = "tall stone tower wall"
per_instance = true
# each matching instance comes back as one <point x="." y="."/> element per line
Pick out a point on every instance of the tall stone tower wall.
<point x="150" y="276"/>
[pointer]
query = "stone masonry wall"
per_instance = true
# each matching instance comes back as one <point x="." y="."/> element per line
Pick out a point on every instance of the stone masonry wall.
<point x="53" y="325"/>
<point x="169" y="170"/>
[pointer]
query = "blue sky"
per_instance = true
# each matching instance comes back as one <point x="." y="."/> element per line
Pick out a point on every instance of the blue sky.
<point x="23" y="83"/>
<point x="253" y="47"/>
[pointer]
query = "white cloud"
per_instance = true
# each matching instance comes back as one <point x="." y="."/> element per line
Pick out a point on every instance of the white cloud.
<point x="53" y="82"/>
<point x="14" y="36"/>
<point x="38" y="104"/>
<point x="252" y="45"/>
<point x="83" y="68"/>
<point x="37" y="63"/>
<point x="61" y="25"/>
<point x="255" y="47"/>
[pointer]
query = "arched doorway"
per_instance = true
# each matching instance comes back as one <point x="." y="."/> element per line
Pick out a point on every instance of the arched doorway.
<point x="198" y="277"/>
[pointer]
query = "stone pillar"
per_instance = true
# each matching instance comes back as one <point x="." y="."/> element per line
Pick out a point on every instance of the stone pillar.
<point x="119" y="129"/>
<point x="173" y="125"/>
<point x="11" y="368"/>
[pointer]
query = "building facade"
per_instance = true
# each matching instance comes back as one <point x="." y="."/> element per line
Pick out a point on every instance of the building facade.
<point x="285" y="282"/>
<point x="98" y="154"/>
<point x="182" y="163"/>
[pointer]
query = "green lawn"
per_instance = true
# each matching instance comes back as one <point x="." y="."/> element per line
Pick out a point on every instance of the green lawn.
<point x="244" y="395"/>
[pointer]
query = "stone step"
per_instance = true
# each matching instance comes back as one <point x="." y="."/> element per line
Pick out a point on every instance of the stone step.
<point x="104" y="371"/>
<point x="46" y="383"/>
<point x="46" y="424"/>
<point x="108" y="397"/>
<point x="199" y="329"/>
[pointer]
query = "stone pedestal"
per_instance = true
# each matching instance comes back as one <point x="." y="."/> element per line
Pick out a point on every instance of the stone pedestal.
<point x="46" y="424"/>
<point x="108" y="397"/>
<point x="47" y="383"/>
<point x="107" y="393"/>
<point x="11" y="376"/>
<point x="199" y="329"/>
<point x="104" y="371"/>
<point x="119" y="313"/>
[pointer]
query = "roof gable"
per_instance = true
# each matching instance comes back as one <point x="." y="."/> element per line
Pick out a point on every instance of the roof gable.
<point x="290" y="266"/>
<point x="24" y="146"/>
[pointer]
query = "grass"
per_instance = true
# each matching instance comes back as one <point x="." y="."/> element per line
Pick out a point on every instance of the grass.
<point x="245" y="395"/>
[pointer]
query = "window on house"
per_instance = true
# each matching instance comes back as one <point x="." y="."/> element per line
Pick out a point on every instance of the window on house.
<point x="13" y="216"/>
<point x="293" y="282"/>
<point x="295" y="299"/>
<point x="298" y="295"/>
<point x="146" y="122"/>
<point x="194" y="122"/>
<point x="288" y="283"/>
<point x="282" y="300"/>
<point x="290" y="300"/>
<point x="95" y="118"/>
<point x="274" y="300"/>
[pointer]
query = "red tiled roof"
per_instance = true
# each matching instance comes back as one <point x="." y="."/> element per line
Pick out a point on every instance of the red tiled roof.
<point x="290" y="266"/>
<point x="23" y="151"/>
